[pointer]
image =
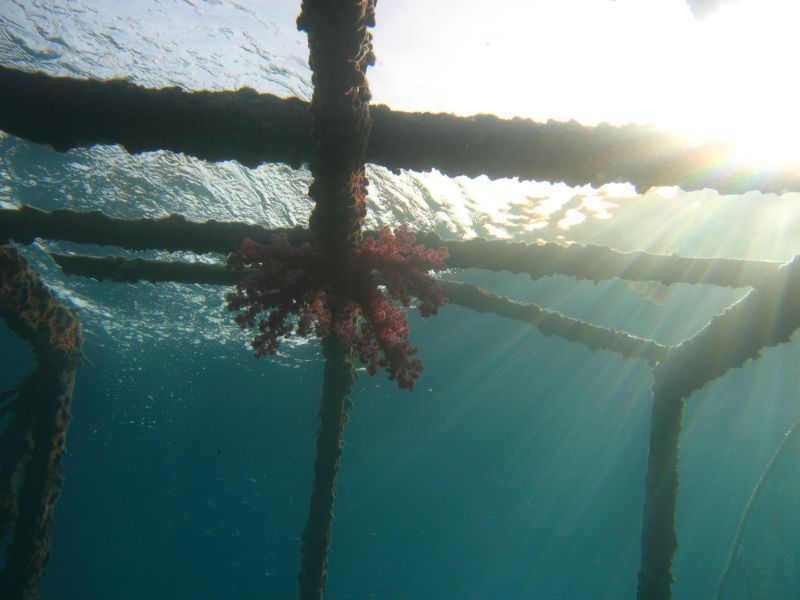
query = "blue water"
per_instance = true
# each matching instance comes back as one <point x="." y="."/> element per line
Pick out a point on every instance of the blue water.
<point x="516" y="468"/>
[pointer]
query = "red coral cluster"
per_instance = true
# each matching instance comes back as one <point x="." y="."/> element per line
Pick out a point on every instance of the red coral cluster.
<point x="299" y="287"/>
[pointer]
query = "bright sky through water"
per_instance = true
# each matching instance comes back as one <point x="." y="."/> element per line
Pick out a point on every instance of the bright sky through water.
<point x="646" y="61"/>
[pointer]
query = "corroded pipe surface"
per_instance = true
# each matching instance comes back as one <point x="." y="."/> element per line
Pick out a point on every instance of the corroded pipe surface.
<point x="595" y="263"/>
<point x="254" y="128"/>
<point x="340" y="51"/>
<point x="32" y="443"/>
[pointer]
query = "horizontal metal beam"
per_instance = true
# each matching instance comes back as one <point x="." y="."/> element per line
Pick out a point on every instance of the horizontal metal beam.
<point x="549" y="322"/>
<point x="589" y="262"/>
<point x="254" y="128"/>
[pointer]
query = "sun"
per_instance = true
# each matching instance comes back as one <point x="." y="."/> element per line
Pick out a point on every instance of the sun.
<point x="746" y="73"/>
<point x="730" y="77"/>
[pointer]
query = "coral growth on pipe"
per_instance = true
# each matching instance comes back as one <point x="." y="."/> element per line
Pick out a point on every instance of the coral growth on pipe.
<point x="589" y="262"/>
<point x="301" y="289"/>
<point x="340" y="51"/>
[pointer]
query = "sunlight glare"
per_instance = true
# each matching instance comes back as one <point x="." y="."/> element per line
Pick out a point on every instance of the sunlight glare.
<point x="728" y="78"/>
<point x="755" y="84"/>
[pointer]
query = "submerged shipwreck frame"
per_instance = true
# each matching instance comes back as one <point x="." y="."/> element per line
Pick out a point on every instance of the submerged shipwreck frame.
<point x="336" y="134"/>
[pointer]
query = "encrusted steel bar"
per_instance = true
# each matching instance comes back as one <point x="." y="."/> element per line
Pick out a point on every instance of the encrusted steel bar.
<point x="566" y="152"/>
<point x="600" y="263"/>
<point x="255" y="128"/>
<point x="659" y="538"/>
<point x="65" y="113"/>
<point x="551" y="323"/>
<point x="765" y="317"/>
<point x="173" y="233"/>
<point x="338" y="379"/>
<point x="132" y="270"/>
<point x="340" y="51"/>
<point x="595" y="263"/>
<point x="32" y="443"/>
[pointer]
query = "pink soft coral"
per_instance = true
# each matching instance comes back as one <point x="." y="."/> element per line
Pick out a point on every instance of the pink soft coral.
<point x="354" y="299"/>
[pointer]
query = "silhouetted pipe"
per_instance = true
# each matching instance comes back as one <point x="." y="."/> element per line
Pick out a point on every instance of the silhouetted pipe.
<point x="766" y="316"/>
<point x="340" y="51"/>
<point x="659" y="539"/>
<point x="32" y="443"/>
<point x="254" y="128"/>
<point x="549" y="322"/>
<point x="554" y="323"/>
<point x="172" y="233"/>
<point x="595" y="263"/>
<point x="338" y="380"/>
<point x="133" y="270"/>
<point x="65" y="113"/>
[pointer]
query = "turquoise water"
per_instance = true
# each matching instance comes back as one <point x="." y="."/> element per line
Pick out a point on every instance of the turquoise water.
<point x="516" y="468"/>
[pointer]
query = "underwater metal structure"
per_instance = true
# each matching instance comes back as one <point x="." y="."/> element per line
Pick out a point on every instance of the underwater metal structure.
<point x="336" y="134"/>
<point x="33" y="441"/>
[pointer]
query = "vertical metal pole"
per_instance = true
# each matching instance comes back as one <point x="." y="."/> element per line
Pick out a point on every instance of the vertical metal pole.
<point x="339" y="377"/>
<point x="340" y="51"/>
<point x="659" y="540"/>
